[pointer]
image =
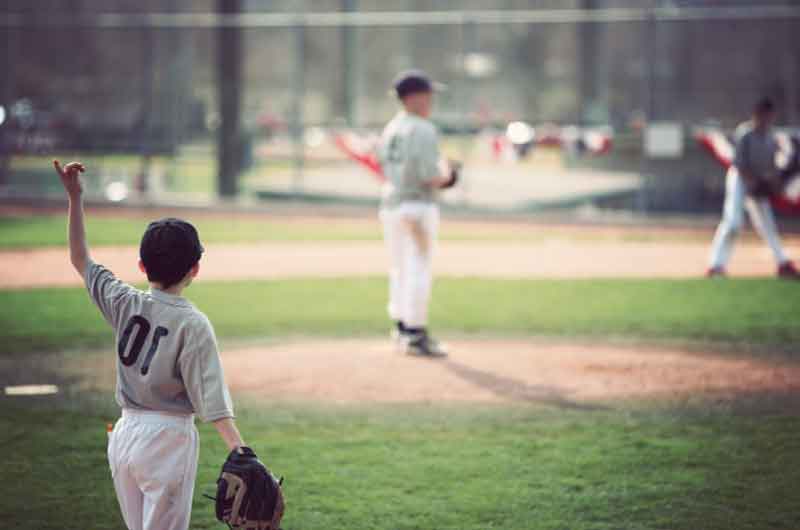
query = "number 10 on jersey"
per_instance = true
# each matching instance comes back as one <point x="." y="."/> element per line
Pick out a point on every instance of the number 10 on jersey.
<point x="142" y="326"/>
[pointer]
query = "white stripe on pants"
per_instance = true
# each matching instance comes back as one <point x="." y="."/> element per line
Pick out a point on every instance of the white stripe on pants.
<point x="153" y="460"/>
<point x="760" y="211"/>
<point x="410" y="234"/>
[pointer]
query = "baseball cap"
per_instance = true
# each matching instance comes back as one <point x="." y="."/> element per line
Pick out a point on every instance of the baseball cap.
<point x="170" y="248"/>
<point x="412" y="81"/>
<point x="764" y="105"/>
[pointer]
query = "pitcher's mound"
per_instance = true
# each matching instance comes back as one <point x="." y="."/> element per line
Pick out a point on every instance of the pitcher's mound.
<point x="482" y="370"/>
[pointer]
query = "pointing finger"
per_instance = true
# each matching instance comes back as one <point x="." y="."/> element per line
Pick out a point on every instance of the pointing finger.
<point x="58" y="167"/>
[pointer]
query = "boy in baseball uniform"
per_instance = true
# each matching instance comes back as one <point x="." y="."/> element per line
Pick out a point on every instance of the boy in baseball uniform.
<point x="409" y="156"/>
<point x="751" y="179"/>
<point x="168" y="368"/>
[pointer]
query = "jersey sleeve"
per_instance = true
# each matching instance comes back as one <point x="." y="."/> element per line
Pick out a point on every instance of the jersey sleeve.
<point x="381" y="149"/>
<point x="424" y="153"/>
<point x="741" y="158"/>
<point x="106" y="291"/>
<point x="201" y="370"/>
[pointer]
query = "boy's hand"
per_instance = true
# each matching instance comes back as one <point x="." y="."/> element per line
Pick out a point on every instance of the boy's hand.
<point x="70" y="176"/>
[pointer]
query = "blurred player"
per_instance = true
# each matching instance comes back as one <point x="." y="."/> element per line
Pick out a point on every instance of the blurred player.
<point x="408" y="152"/>
<point x="751" y="180"/>
<point x="168" y="368"/>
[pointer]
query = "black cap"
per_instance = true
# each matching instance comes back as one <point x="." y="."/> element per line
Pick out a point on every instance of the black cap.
<point x="764" y="105"/>
<point x="413" y="81"/>
<point x="170" y="248"/>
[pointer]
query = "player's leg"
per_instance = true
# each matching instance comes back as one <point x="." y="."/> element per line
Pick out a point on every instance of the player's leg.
<point x="407" y="231"/>
<point x="422" y="224"/>
<point x="393" y="238"/>
<point x="763" y="220"/>
<point x="166" y="464"/>
<point x="418" y="261"/>
<point x="128" y="493"/>
<point x="729" y="226"/>
<point x="131" y="500"/>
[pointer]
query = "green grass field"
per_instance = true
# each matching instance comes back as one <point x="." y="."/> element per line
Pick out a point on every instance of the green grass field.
<point x="194" y="173"/>
<point x="637" y="466"/>
<point x="417" y="467"/>
<point x="44" y="231"/>
<point x="746" y="311"/>
<point x="50" y="230"/>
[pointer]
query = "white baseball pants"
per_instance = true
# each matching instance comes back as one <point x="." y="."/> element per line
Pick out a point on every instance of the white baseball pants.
<point x="760" y="211"/>
<point x="410" y="231"/>
<point x="153" y="460"/>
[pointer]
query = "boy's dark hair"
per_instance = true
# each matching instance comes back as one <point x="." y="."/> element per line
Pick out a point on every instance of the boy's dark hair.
<point x="410" y="82"/>
<point x="170" y="248"/>
<point x="413" y="81"/>
<point x="764" y="106"/>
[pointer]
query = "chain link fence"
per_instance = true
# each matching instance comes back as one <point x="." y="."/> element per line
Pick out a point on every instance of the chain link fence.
<point x="139" y="91"/>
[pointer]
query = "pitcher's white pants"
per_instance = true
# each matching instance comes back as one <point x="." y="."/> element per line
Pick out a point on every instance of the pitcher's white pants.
<point x="760" y="211"/>
<point x="153" y="460"/>
<point x="409" y="231"/>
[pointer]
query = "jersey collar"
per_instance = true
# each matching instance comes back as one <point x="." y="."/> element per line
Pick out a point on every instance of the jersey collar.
<point x="170" y="299"/>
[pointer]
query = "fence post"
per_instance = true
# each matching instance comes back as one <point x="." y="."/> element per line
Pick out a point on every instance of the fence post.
<point x="6" y="94"/>
<point x="148" y="36"/>
<point x="350" y="66"/>
<point x="298" y="90"/>
<point x="229" y="87"/>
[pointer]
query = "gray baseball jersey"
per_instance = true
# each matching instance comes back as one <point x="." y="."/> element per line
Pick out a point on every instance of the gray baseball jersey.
<point x="755" y="151"/>
<point x="167" y="355"/>
<point x="409" y="156"/>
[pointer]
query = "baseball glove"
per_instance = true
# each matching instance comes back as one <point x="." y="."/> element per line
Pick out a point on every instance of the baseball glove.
<point x="765" y="187"/>
<point x="248" y="495"/>
<point x="455" y="174"/>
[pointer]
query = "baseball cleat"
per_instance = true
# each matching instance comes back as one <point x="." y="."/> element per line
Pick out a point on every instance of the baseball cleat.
<point x="423" y="344"/>
<point x="398" y="336"/>
<point x="716" y="272"/>
<point x="399" y="339"/>
<point x="787" y="271"/>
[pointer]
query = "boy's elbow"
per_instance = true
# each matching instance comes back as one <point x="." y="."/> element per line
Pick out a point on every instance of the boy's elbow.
<point x="79" y="263"/>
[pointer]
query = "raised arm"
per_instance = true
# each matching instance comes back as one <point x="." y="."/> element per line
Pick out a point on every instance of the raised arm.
<point x="78" y="248"/>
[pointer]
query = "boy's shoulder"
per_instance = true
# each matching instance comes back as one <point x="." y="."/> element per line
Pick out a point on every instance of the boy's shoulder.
<point x="178" y="310"/>
<point x="191" y="313"/>
<point x="744" y="129"/>
<point x="421" y="124"/>
<point x="197" y="320"/>
<point x="200" y="318"/>
<point x="426" y="131"/>
<point x="109" y="294"/>
<point x="199" y="332"/>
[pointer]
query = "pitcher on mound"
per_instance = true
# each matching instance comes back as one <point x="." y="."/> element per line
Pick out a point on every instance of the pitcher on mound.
<point x="409" y="156"/>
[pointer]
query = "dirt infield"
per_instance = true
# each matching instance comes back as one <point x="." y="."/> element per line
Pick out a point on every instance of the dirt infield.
<point x="556" y="258"/>
<point x="569" y="375"/>
<point x="494" y="371"/>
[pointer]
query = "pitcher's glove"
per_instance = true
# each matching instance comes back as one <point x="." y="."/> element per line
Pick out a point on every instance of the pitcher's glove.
<point x="248" y="495"/>
<point x="455" y="174"/>
<point x="765" y="187"/>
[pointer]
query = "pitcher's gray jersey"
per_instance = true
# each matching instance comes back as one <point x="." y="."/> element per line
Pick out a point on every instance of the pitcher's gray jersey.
<point x="167" y="356"/>
<point x="755" y="151"/>
<point x="409" y="156"/>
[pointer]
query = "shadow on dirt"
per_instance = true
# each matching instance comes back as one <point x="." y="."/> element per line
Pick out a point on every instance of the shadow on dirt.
<point x="516" y="390"/>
